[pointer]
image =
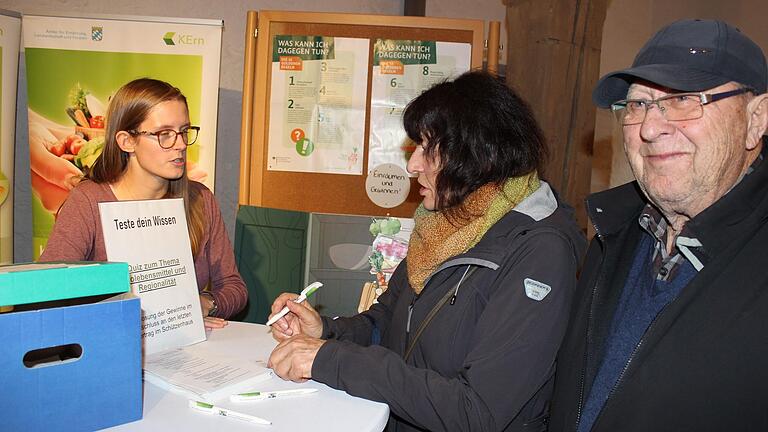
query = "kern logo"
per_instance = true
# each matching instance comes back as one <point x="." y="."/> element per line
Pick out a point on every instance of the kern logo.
<point x="168" y="38"/>
<point x="97" y="33"/>
<point x="171" y="38"/>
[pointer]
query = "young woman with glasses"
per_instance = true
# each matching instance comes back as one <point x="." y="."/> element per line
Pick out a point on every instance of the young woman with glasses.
<point x="144" y="157"/>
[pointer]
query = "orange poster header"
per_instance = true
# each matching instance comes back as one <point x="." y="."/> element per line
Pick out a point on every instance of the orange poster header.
<point x="391" y="67"/>
<point x="293" y="63"/>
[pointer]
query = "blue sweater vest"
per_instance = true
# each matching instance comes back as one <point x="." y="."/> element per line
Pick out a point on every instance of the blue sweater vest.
<point x="642" y="299"/>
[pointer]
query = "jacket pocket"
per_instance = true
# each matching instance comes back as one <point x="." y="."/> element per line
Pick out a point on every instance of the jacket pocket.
<point x="538" y="424"/>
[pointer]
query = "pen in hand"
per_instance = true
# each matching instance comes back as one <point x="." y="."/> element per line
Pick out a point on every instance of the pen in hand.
<point x="306" y="292"/>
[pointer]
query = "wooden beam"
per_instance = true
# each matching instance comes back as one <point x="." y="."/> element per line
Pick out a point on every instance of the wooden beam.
<point x="553" y="62"/>
<point x="415" y="8"/>
<point x="492" y="47"/>
<point x="249" y="67"/>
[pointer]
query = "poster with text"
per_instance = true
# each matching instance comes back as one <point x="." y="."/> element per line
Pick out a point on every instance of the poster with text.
<point x="317" y="104"/>
<point x="402" y="70"/>
<point x="151" y="236"/>
<point x="74" y="66"/>
<point x="10" y="35"/>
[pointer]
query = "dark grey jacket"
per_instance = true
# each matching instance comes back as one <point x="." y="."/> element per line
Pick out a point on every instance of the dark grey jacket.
<point x="484" y="363"/>
<point x="702" y="365"/>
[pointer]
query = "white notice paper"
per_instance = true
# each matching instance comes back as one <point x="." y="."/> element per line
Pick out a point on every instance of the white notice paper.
<point x="201" y="373"/>
<point x="317" y="104"/>
<point x="151" y="236"/>
<point x="402" y="70"/>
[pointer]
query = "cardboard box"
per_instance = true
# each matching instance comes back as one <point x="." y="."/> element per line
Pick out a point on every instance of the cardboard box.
<point x="75" y="367"/>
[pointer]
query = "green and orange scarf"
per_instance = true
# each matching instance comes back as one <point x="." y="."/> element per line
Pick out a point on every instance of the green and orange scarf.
<point x="436" y="238"/>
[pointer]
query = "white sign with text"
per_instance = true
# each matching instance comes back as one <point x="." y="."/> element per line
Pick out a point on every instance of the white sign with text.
<point x="151" y="236"/>
<point x="387" y="185"/>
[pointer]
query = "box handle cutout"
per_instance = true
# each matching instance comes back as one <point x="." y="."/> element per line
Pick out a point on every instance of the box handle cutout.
<point x="53" y="356"/>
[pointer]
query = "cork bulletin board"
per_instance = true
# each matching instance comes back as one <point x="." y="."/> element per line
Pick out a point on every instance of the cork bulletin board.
<point x="275" y="41"/>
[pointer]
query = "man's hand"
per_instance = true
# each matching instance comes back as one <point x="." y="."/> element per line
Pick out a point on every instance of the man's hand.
<point x="302" y="318"/>
<point x="293" y="358"/>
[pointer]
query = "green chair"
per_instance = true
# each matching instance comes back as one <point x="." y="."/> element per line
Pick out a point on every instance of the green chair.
<point x="270" y="250"/>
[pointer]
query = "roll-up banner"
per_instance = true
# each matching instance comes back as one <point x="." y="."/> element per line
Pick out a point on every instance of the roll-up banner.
<point x="10" y="35"/>
<point x="75" y="64"/>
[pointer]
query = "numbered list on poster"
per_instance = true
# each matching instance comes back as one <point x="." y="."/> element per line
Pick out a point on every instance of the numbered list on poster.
<point x="317" y="104"/>
<point x="402" y="70"/>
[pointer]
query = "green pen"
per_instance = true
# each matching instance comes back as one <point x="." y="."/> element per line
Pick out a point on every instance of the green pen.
<point x="254" y="396"/>
<point x="306" y="292"/>
<point x="224" y="412"/>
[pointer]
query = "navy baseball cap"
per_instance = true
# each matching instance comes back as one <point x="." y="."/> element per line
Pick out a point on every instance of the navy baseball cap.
<point x="689" y="55"/>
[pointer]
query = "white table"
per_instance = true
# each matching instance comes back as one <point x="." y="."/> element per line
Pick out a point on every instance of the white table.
<point x="326" y="410"/>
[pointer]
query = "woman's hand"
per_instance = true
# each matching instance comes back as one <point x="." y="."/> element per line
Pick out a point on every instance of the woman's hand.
<point x="302" y="318"/>
<point x="293" y="358"/>
<point x="206" y="304"/>
<point x="214" y="323"/>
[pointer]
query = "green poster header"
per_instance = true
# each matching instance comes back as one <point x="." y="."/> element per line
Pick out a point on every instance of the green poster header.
<point x="407" y="52"/>
<point x="304" y="47"/>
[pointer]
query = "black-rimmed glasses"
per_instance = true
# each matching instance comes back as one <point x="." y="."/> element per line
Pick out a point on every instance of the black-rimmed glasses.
<point x="166" y="138"/>
<point x="674" y="107"/>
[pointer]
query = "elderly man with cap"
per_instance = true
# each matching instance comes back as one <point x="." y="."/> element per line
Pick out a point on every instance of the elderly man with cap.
<point x="670" y="329"/>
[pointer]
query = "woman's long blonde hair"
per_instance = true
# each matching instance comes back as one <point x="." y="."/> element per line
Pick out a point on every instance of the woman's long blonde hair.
<point x="128" y="108"/>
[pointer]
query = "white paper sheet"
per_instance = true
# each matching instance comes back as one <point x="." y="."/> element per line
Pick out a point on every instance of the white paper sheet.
<point x="201" y="373"/>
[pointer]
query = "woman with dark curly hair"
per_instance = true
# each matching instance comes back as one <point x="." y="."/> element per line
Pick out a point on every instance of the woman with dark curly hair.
<point x="465" y="337"/>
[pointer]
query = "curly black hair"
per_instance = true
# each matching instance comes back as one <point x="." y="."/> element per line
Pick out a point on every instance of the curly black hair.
<point x="481" y="131"/>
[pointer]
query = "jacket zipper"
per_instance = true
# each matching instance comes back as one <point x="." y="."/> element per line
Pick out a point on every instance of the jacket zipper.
<point x="408" y="323"/>
<point x="601" y="278"/>
<point x="631" y="357"/>
<point x="456" y="292"/>
<point x="417" y="296"/>
<point x="429" y="278"/>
